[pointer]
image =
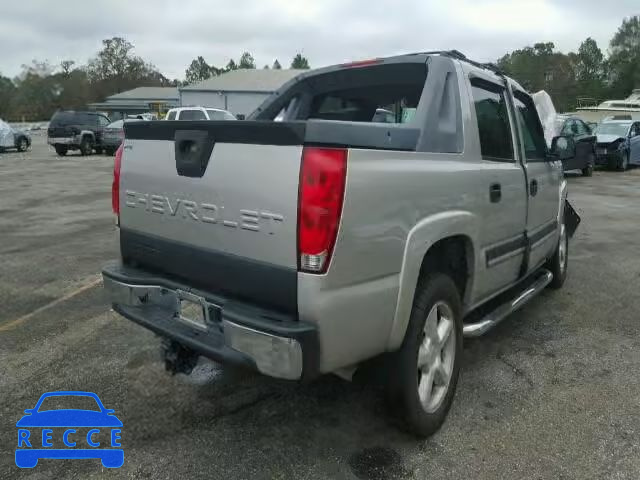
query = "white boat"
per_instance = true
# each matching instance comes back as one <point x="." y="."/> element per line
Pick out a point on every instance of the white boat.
<point x="628" y="109"/>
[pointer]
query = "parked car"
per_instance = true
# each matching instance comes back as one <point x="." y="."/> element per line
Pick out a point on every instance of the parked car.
<point x="328" y="242"/>
<point x="198" y="113"/>
<point x="13" y="138"/>
<point x="618" y="144"/>
<point x="74" y="130"/>
<point x="114" y="134"/>
<point x="582" y="141"/>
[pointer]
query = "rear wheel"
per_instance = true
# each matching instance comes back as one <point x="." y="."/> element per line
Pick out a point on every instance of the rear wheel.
<point x="85" y="146"/>
<point x="61" y="150"/>
<point x="423" y="374"/>
<point x="623" y="162"/>
<point x="22" y="145"/>
<point x="587" y="171"/>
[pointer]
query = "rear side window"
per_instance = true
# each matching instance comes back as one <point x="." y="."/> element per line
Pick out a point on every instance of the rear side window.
<point x="535" y="146"/>
<point x="387" y="104"/>
<point x="192" y="115"/>
<point x="493" y="123"/>
<point x="386" y="93"/>
<point x="171" y="115"/>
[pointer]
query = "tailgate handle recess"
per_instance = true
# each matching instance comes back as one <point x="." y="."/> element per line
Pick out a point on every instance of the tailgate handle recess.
<point x="192" y="150"/>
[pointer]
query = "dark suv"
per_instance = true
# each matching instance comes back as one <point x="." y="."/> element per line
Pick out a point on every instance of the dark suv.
<point x="70" y="130"/>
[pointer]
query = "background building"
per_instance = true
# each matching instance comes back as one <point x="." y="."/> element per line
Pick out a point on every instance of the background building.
<point x="238" y="91"/>
<point x="139" y="100"/>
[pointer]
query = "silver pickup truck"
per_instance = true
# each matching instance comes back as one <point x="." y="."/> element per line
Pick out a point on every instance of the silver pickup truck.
<point x="320" y="236"/>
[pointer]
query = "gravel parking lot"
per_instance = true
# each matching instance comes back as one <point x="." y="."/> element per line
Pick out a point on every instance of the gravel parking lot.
<point x="552" y="393"/>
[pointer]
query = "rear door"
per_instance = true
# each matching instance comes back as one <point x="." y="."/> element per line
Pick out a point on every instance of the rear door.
<point x="544" y="177"/>
<point x="502" y="177"/>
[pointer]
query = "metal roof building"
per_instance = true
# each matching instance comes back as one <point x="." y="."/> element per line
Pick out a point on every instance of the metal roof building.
<point x="139" y="100"/>
<point x="238" y="91"/>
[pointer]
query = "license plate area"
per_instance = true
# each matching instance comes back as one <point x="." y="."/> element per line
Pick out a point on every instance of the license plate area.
<point x="193" y="310"/>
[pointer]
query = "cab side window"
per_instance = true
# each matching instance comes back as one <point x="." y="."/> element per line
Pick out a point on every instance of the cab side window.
<point x="171" y="115"/>
<point x="583" y="128"/>
<point x="535" y="146"/>
<point x="496" y="143"/>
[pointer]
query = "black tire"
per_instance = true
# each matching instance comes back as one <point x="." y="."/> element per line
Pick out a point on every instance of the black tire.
<point x="86" y="148"/>
<point x="404" y="376"/>
<point x="61" y="150"/>
<point x="588" y="170"/>
<point x="623" y="163"/>
<point x="22" y="144"/>
<point x="559" y="263"/>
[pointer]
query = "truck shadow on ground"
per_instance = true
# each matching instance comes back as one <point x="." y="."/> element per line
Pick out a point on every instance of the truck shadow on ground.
<point x="327" y="418"/>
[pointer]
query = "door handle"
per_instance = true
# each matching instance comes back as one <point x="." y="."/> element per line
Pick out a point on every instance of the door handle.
<point x="533" y="187"/>
<point x="495" y="192"/>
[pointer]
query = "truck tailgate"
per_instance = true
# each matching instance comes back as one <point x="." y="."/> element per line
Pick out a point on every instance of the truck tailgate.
<point x="214" y="203"/>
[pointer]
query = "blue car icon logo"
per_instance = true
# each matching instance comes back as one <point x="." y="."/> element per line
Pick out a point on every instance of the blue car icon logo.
<point x="69" y="433"/>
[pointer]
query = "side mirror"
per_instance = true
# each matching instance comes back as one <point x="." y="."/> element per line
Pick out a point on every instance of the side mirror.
<point x="563" y="147"/>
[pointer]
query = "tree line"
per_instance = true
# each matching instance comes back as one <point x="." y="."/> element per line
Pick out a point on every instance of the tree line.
<point x="583" y="77"/>
<point x="571" y="79"/>
<point x="41" y="88"/>
<point x="200" y="70"/>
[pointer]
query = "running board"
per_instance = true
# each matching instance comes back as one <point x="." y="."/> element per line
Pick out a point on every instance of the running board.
<point x="502" y="311"/>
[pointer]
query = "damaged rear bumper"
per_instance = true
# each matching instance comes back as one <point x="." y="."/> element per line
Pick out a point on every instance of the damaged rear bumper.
<point x="270" y="342"/>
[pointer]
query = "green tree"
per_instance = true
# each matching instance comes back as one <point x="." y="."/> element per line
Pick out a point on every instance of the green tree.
<point x="624" y="58"/>
<point x="300" y="62"/>
<point x="7" y="93"/>
<point x="590" y="69"/>
<point x="231" y="66"/>
<point x="276" y="65"/>
<point x="541" y="68"/>
<point x="199" y="70"/>
<point x="115" y="69"/>
<point x="66" y="66"/>
<point x="246" y="61"/>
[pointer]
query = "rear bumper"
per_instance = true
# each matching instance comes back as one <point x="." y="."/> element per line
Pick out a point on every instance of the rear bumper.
<point x="74" y="140"/>
<point x="273" y="343"/>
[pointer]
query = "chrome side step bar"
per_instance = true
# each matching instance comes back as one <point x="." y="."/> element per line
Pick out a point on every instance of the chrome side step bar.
<point x="493" y="318"/>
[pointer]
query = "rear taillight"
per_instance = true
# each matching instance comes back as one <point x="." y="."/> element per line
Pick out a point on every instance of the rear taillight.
<point x="115" y="186"/>
<point x="322" y="180"/>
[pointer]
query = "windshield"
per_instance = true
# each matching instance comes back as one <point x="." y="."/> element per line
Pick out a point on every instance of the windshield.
<point x="619" y="129"/>
<point x="220" y="115"/>
<point x="67" y="402"/>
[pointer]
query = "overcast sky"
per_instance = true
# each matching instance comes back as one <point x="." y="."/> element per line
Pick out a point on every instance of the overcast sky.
<point x="170" y="33"/>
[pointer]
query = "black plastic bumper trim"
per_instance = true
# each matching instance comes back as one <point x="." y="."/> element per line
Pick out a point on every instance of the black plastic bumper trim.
<point x="213" y="271"/>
